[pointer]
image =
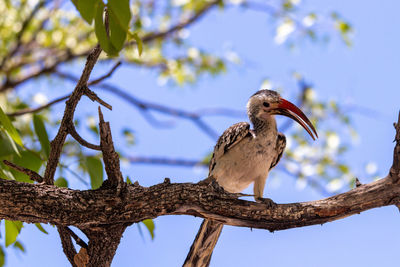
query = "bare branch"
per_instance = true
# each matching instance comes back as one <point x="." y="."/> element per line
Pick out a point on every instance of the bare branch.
<point x="93" y="96"/>
<point x="34" y="110"/>
<point x="107" y="75"/>
<point x="66" y="242"/>
<point x="167" y="161"/>
<point x="72" y="131"/>
<point x="58" y="142"/>
<point x="110" y="157"/>
<point x="77" y="239"/>
<point x="32" y="174"/>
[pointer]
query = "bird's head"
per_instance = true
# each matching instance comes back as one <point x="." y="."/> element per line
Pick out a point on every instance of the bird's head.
<point x="265" y="103"/>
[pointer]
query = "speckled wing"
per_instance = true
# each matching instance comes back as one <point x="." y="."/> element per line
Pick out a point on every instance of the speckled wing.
<point x="280" y="147"/>
<point x="228" y="139"/>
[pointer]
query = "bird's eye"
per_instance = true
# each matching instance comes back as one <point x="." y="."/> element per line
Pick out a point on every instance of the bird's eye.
<point x="265" y="104"/>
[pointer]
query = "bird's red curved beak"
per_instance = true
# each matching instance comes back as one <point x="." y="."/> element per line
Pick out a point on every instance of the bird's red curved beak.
<point x="290" y="110"/>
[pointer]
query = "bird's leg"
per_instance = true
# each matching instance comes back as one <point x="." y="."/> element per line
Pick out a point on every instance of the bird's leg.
<point x="259" y="185"/>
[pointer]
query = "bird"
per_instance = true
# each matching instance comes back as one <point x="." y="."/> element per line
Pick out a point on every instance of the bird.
<point x="243" y="156"/>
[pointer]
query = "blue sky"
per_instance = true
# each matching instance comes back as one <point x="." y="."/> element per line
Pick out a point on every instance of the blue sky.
<point x="365" y="74"/>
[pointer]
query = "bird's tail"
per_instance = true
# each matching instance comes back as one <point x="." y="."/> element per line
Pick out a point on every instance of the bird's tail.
<point x="203" y="245"/>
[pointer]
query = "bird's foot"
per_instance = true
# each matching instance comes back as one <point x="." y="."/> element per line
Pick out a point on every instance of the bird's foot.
<point x="267" y="201"/>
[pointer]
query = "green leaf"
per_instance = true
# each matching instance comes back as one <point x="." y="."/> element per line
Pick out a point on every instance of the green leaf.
<point x="2" y="256"/>
<point x="149" y="223"/>
<point x="117" y="32"/>
<point x="138" y="42"/>
<point x="6" y="174"/>
<point x="40" y="227"/>
<point x="122" y="11"/>
<point x="41" y="133"/>
<point x="12" y="144"/>
<point x="95" y="169"/>
<point x="3" y="175"/>
<point x="100" y="29"/>
<point x="5" y="121"/>
<point x="343" y="168"/>
<point x="61" y="182"/>
<point x="128" y="180"/>
<point x="7" y="145"/>
<point x="28" y="160"/>
<point x="13" y="228"/>
<point x="18" y="245"/>
<point x="86" y="8"/>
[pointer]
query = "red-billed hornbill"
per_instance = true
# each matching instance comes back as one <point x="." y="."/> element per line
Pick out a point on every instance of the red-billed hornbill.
<point x="243" y="156"/>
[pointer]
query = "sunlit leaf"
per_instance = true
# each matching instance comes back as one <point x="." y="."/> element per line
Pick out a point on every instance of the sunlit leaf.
<point x="7" y="145"/>
<point x="40" y="227"/>
<point x="5" y="121"/>
<point x="61" y="182"/>
<point x="150" y="226"/>
<point x="138" y="42"/>
<point x="2" y="256"/>
<point x="86" y="8"/>
<point x="19" y="246"/>
<point x="100" y="30"/>
<point x="95" y="169"/>
<point x="28" y="160"/>
<point x="122" y="10"/>
<point x="12" y="229"/>
<point x="117" y="32"/>
<point x="41" y="133"/>
<point x="12" y="144"/>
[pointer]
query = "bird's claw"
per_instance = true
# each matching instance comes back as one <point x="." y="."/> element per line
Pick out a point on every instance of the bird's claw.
<point x="267" y="201"/>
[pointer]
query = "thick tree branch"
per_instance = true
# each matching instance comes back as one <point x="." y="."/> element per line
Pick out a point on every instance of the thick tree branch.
<point x="103" y="243"/>
<point x="48" y="204"/>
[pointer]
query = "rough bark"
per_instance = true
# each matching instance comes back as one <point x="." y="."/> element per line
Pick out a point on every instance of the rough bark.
<point x="103" y="243"/>
<point x="61" y="206"/>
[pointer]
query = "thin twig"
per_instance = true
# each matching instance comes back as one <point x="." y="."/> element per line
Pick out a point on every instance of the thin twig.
<point x="37" y="109"/>
<point x="77" y="239"/>
<point x="93" y="96"/>
<point x="34" y="176"/>
<point x="107" y="75"/>
<point x="167" y="161"/>
<point x="72" y="131"/>
<point x="68" y="246"/>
